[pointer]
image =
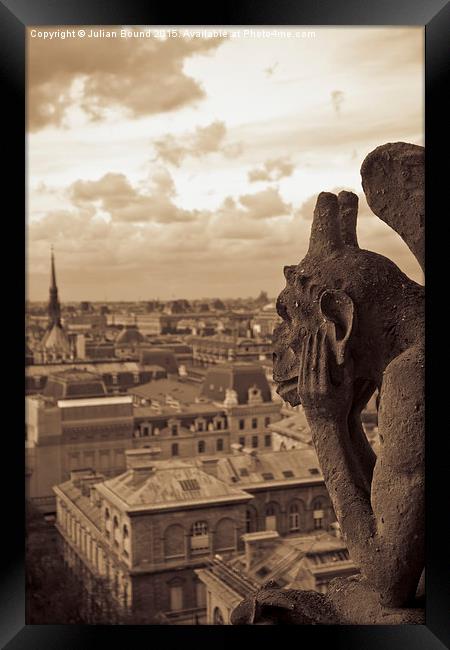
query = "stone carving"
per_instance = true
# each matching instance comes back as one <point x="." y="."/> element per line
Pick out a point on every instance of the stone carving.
<point x="353" y="323"/>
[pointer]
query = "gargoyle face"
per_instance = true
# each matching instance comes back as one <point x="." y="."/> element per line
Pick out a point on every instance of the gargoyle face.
<point x="300" y="315"/>
<point x="306" y="302"/>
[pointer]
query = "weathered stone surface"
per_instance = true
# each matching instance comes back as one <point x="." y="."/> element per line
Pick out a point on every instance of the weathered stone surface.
<point x="354" y="323"/>
<point x="394" y="185"/>
<point x="349" y="601"/>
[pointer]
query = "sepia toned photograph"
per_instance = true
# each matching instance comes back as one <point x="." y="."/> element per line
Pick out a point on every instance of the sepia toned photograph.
<point x="224" y="355"/>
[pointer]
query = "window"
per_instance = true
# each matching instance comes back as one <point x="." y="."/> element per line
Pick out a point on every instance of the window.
<point x="219" y="424"/>
<point x="200" y="528"/>
<point x="267" y="440"/>
<point x="288" y="473"/>
<point x="318" y="514"/>
<point x="254" y="441"/>
<point x="254" y="423"/>
<point x="268" y="476"/>
<point x="243" y="471"/>
<point x="189" y="484"/>
<point x="271" y="518"/>
<point x="318" y="523"/>
<point x="199" y="536"/>
<point x="250" y="521"/>
<point x="267" y="421"/>
<point x="294" y="518"/>
<point x="200" y="426"/>
<point x="145" y="431"/>
<point x="219" y="444"/>
<point x="242" y="441"/>
<point x="174" y="429"/>
<point x="201" y="446"/>
<point x="125" y="531"/>
<point x="174" y="541"/>
<point x="241" y="424"/>
<point x="175" y="449"/>
<point x="176" y="597"/>
<point x="314" y="470"/>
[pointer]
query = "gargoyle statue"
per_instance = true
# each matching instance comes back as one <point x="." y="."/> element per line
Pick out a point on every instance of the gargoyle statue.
<point x="353" y="323"/>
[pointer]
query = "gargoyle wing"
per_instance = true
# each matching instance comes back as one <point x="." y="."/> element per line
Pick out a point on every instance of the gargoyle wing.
<point x="393" y="180"/>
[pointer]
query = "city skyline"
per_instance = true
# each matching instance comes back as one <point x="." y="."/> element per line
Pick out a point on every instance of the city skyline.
<point x="190" y="167"/>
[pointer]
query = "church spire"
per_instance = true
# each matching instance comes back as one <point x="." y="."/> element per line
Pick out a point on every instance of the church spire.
<point x="54" y="308"/>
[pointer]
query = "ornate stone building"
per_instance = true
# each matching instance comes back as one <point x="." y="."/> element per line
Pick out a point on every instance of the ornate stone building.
<point x="148" y="529"/>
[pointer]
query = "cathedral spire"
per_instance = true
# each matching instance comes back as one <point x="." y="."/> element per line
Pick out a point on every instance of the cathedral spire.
<point x="54" y="308"/>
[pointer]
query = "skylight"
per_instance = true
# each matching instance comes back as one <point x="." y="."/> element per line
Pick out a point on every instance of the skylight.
<point x="189" y="484"/>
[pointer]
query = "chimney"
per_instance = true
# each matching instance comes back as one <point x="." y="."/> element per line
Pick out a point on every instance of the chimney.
<point x="84" y="479"/>
<point x="210" y="466"/>
<point x="256" y="544"/>
<point x="141" y="459"/>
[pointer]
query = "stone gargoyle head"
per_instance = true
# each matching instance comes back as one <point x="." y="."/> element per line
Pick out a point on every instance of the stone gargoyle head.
<point x="360" y="295"/>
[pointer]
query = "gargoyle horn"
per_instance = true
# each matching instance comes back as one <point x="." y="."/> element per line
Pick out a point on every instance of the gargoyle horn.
<point x="348" y="213"/>
<point x="325" y="230"/>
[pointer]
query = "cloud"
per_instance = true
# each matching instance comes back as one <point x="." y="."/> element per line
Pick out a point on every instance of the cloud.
<point x="265" y="204"/>
<point x="248" y="217"/>
<point x="337" y="99"/>
<point x="140" y="76"/>
<point x="114" y="194"/>
<point x="272" y="170"/>
<point x="203" y="141"/>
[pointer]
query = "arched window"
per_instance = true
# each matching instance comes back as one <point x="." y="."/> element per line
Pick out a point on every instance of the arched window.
<point x="219" y="444"/>
<point x="116" y="531"/>
<point x="199" y="536"/>
<point x="107" y="522"/>
<point x="201" y="446"/>
<point x="318" y="506"/>
<point x="225" y="535"/>
<point x="125" y="531"/>
<point x="271" y="517"/>
<point x="217" y="617"/>
<point x="294" y="518"/>
<point x="174" y="545"/>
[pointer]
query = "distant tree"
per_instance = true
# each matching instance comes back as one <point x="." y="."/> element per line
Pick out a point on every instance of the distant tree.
<point x="56" y="595"/>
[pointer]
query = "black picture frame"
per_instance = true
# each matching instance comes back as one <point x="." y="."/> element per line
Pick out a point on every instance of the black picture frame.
<point x="15" y="16"/>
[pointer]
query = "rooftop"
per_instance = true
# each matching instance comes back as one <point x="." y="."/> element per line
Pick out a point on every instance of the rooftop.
<point x="74" y="383"/>
<point x="159" y="390"/>
<point x="240" y="377"/>
<point x="169" y="484"/>
<point x="269" y="468"/>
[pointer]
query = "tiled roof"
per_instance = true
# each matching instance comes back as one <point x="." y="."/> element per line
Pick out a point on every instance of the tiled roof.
<point x="269" y="467"/>
<point x="159" y="389"/>
<point x="170" y="484"/>
<point x="74" y="383"/>
<point x="82" y="502"/>
<point x="240" y="377"/>
<point x="294" y="426"/>
<point x="130" y="335"/>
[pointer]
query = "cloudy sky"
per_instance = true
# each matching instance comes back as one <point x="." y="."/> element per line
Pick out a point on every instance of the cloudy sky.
<point x="189" y="167"/>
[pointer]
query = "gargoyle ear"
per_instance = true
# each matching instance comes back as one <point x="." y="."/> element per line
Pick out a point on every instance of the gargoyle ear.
<point x="337" y="308"/>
